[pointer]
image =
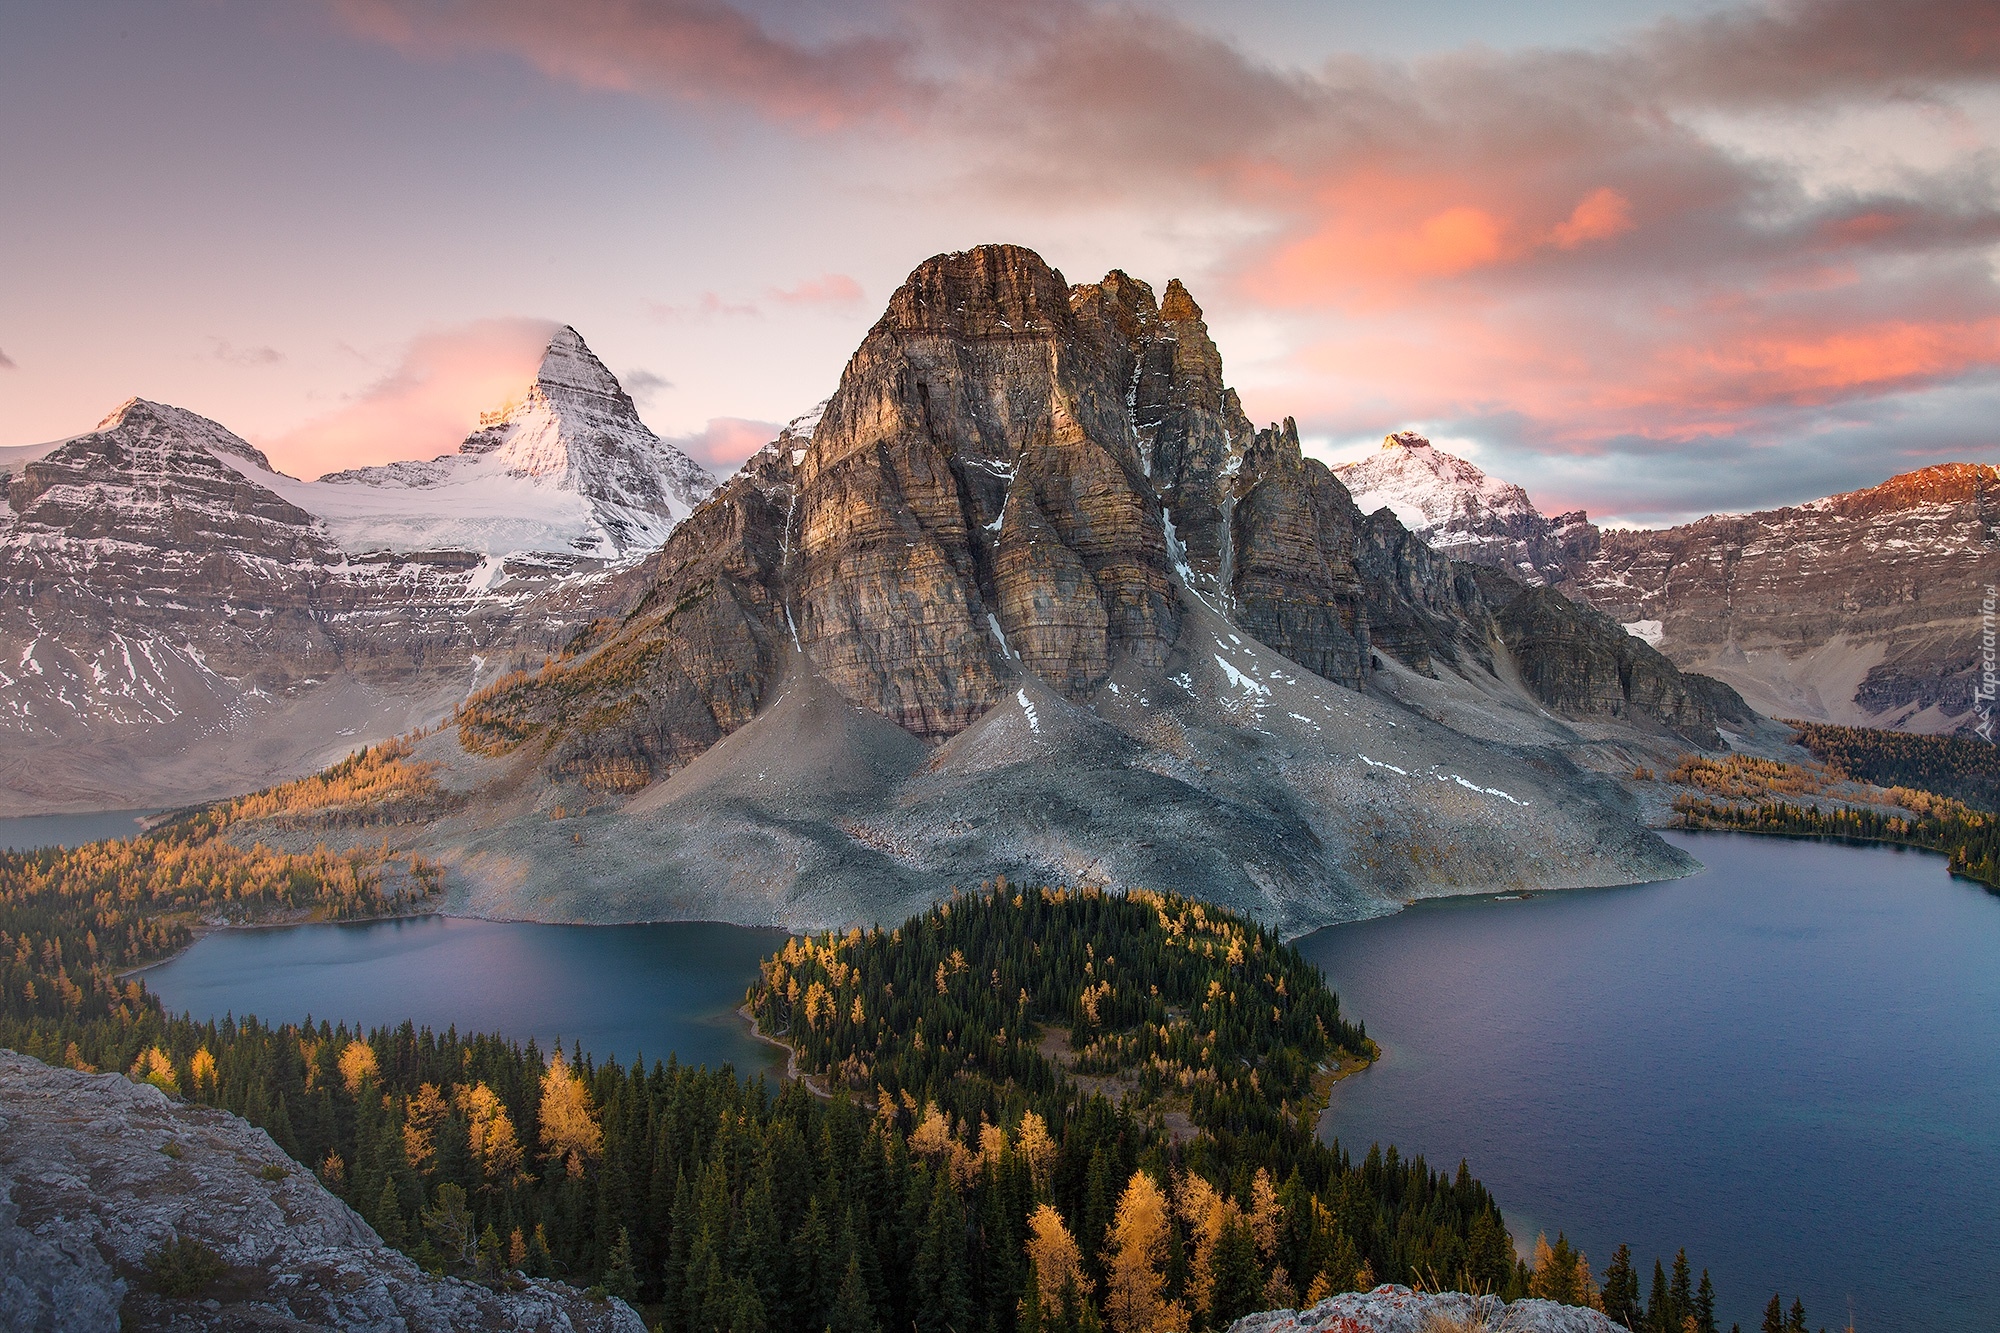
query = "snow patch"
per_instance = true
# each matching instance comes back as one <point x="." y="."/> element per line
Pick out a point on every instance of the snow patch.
<point x="1652" y="631"/>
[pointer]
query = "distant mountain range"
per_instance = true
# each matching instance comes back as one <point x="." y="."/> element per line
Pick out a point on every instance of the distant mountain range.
<point x="1861" y="609"/>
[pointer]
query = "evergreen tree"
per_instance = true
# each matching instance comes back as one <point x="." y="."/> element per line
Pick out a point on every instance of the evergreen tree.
<point x="1621" y="1289"/>
<point x="938" y="1291"/>
<point x="852" y="1311"/>
<point x="1683" y="1290"/>
<point x="1238" y="1286"/>
<point x="1795" y="1322"/>
<point x="621" y="1279"/>
<point x="1774" y="1316"/>
<point x="1660" y="1316"/>
<point x="1704" y="1305"/>
<point x="389" y="1217"/>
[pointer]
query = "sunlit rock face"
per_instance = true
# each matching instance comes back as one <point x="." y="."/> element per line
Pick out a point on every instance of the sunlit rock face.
<point x="978" y="477"/>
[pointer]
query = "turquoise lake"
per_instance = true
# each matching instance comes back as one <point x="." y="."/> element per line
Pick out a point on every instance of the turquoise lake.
<point x="1790" y="1063"/>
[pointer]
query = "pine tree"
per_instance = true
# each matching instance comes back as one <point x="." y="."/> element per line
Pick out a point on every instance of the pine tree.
<point x="621" y="1279"/>
<point x="1795" y="1322"/>
<point x="1774" y="1316"/>
<point x="1621" y="1289"/>
<point x="1704" y="1305"/>
<point x="852" y="1311"/>
<point x="1238" y="1286"/>
<point x="389" y="1217"/>
<point x="1659" y="1305"/>
<point x="1683" y="1289"/>
<point x="941" y="1302"/>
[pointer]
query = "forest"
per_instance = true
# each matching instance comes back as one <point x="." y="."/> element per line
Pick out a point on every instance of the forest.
<point x="1960" y="767"/>
<point x="1041" y="1110"/>
<point x="1752" y="796"/>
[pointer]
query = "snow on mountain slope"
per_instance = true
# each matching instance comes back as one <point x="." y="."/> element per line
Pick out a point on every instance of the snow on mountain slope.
<point x="1459" y="510"/>
<point x="1436" y="495"/>
<point x="568" y="468"/>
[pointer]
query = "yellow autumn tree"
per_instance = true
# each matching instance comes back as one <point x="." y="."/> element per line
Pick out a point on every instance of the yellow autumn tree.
<point x="1135" y="1261"/>
<point x="420" y="1121"/>
<point x="570" y="1132"/>
<point x="1036" y="1148"/>
<point x="1055" y="1256"/>
<point x="154" y="1066"/>
<point x="490" y="1136"/>
<point x="201" y="1070"/>
<point x="357" y="1061"/>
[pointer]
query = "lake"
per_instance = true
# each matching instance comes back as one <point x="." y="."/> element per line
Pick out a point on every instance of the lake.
<point x="21" y="833"/>
<point x="1790" y="1064"/>
<point x="619" y="990"/>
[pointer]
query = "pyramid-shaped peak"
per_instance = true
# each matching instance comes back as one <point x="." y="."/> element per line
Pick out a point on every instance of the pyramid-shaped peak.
<point x="1176" y="305"/>
<point x="569" y="364"/>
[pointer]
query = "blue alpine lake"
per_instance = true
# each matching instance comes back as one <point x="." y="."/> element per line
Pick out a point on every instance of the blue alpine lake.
<point x="1789" y="1064"/>
<point x="21" y="833"/>
<point x="619" y="991"/>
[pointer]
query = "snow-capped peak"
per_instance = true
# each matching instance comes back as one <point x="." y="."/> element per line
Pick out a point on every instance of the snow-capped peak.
<point x="1435" y="494"/>
<point x="568" y="466"/>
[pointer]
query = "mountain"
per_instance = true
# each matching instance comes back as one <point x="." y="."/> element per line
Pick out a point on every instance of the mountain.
<point x="1458" y="509"/>
<point x="1031" y="595"/>
<point x="569" y="467"/>
<point x="178" y="620"/>
<point x="1863" y="609"/>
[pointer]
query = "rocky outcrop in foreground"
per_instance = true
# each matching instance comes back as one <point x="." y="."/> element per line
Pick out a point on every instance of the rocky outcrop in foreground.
<point x="1389" y="1309"/>
<point x="96" y="1172"/>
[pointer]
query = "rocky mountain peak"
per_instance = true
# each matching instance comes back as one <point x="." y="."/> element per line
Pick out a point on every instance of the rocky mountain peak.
<point x="569" y="366"/>
<point x="985" y="291"/>
<point x="1405" y="439"/>
<point x="1176" y="306"/>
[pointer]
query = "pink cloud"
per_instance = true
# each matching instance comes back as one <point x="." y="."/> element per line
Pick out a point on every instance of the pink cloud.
<point x="1549" y="237"/>
<point x="725" y="442"/>
<point x="829" y="289"/>
<point x="425" y="406"/>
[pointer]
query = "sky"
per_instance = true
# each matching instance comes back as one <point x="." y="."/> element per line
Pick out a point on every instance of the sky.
<point x="1645" y="257"/>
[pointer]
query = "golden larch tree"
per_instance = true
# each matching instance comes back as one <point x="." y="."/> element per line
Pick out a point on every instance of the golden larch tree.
<point x="1135" y="1262"/>
<point x="570" y="1132"/>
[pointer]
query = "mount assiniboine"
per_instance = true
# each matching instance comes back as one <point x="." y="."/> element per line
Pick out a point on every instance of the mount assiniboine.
<point x="178" y="620"/>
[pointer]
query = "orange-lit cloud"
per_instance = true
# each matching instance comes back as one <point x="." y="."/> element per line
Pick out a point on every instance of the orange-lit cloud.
<point x="1554" y="243"/>
<point x="426" y="405"/>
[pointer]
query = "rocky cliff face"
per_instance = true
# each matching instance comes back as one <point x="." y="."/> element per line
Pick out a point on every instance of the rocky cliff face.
<point x="178" y="620"/>
<point x="88" y="1190"/>
<point x="1862" y="608"/>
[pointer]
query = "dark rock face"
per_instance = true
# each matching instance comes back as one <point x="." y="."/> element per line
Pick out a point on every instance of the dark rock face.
<point x="1292" y="580"/>
<point x="1580" y="661"/>
<point x="1424" y="608"/>
<point x="1862" y="608"/>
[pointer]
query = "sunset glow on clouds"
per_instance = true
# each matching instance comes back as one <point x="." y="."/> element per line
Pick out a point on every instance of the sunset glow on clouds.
<point x="1719" y="258"/>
